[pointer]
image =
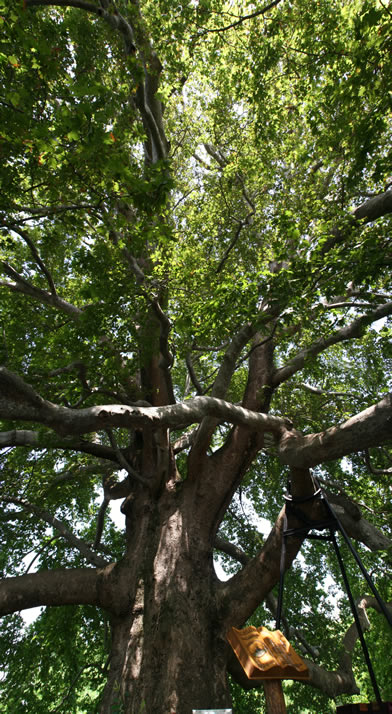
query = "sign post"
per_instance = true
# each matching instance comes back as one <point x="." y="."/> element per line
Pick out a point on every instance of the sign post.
<point x="274" y="696"/>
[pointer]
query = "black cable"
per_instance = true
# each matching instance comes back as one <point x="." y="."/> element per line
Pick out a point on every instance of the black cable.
<point x="357" y="620"/>
<point x="332" y="524"/>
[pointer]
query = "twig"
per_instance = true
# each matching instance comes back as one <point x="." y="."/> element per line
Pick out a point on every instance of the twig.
<point x="371" y="468"/>
<point x="73" y="540"/>
<point x="242" y="19"/>
<point x="39" y="553"/>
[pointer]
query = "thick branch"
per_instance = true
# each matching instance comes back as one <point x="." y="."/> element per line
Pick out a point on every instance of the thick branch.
<point x="19" y="401"/>
<point x="42" y="440"/>
<point x="57" y="587"/>
<point x="372" y="209"/>
<point x="221" y="385"/>
<point x="355" y="525"/>
<point x="371" y="427"/>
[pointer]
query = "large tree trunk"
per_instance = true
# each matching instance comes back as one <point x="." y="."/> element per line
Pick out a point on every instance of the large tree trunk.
<point x="168" y="654"/>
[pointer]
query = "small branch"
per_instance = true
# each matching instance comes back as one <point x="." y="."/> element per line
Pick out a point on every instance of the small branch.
<point x="82" y="471"/>
<point x="23" y="234"/>
<point x="101" y="521"/>
<point x="73" y="540"/>
<point x="233" y="242"/>
<point x="192" y="374"/>
<point x="41" y="550"/>
<point x="354" y="330"/>
<point x="242" y="19"/>
<point x="77" y="366"/>
<point x="123" y="461"/>
<point x="22" y="285"/>
<point x="324" y="392"/>
<point x="371" y="468"/>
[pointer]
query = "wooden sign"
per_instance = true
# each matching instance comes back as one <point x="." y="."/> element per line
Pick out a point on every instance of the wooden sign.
<point x="266" y="655"/>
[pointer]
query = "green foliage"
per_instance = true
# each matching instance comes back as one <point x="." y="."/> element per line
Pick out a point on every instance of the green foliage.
<point x="279" y="126"/>
<point x="58" y="664"/>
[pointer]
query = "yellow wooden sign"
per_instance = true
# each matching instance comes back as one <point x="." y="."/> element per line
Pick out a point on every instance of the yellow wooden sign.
<point x="266" y="655"/>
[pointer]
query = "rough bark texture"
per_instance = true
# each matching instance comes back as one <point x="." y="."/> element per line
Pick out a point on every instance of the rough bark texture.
<point x="168" y="649"/>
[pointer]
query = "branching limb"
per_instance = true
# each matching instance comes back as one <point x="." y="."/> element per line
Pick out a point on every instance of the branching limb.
<point x="371" y="427"/>
<point x="75" y="542"/>
<point x="34" y="252"/>
<point x="352" y="331"/>
<point x="221" y="385"/>
<point x="45" y="297"/>
<point x="237" y="23"/>
<point x="18" y="400"/>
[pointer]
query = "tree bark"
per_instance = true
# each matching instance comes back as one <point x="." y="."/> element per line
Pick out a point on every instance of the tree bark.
<point x="168" y="651"/>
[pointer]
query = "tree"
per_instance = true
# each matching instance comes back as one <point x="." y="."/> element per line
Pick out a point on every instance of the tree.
<point x="195" y="305"/>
